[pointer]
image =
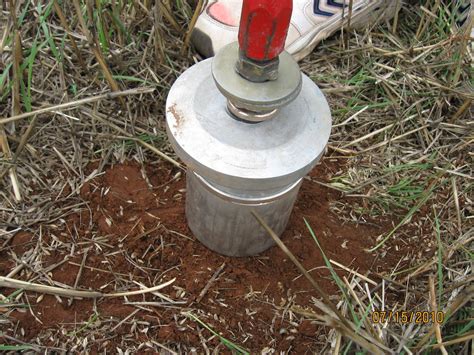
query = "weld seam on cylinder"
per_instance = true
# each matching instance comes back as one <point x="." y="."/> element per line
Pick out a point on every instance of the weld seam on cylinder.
<point x="246" y="201"/>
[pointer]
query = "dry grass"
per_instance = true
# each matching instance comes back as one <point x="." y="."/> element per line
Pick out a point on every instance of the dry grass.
<point x="88" y="82"/>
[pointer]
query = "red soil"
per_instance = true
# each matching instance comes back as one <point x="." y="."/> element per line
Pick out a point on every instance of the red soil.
<point x="123" y="207"/>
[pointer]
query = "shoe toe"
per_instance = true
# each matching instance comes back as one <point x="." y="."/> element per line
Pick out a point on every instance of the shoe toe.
<point x="225" y="12"/>
<point x="202" y="42"/>
<point x="217" y="26"/>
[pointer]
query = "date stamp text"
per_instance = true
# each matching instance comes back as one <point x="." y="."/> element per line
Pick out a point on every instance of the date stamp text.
<point x="406" y="317"/>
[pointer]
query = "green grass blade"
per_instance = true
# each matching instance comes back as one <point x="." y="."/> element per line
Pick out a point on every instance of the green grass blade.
<point x="100" y="30"/>
<point x="230" y="345"/>
<point x="14" y="347"/>
<point x="92" y="319"/>
<point x="4" y="75"/>
<point x="45" y="29"/>
<point x="26" y="98"/>
<point x="12" y="295"/>
<point x="21" y="18"/>
<point x="440" y="260"/>
<point x="425" y="197"/>
<point x="467" y="328"/>
<point x="359" y="324"/>
<point x="121" y="26"/>
<point x="30" y="60"/>
<point x="334" y="275"/>
<point x="132" y="79"/>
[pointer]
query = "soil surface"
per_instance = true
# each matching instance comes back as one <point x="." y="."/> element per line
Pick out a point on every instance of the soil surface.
<point x="135" y="229"/>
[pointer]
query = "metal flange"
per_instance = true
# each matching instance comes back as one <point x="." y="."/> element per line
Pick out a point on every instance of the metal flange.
<point x="256" y="96"/>
<point x="236" y="155"/>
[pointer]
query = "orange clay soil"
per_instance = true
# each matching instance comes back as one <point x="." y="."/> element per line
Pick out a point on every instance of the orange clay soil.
<point x="249" y="295"/>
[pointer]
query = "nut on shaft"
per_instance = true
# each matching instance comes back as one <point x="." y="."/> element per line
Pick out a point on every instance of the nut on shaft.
<point x="263" y="30"/>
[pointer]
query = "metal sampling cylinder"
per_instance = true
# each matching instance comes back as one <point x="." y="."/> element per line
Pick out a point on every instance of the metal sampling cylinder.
<point x="249" y="126"/>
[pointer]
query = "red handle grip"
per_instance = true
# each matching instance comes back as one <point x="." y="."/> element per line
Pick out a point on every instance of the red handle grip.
<point x="263" y="28"/>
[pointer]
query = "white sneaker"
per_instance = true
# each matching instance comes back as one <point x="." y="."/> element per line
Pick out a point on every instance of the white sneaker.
<point x="463" y="11"/>
<point x="311" y="22"/>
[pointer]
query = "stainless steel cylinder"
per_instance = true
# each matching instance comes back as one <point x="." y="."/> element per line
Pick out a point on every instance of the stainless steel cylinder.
<point x="235" y="167"/>
<point x="223" y="221"/>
